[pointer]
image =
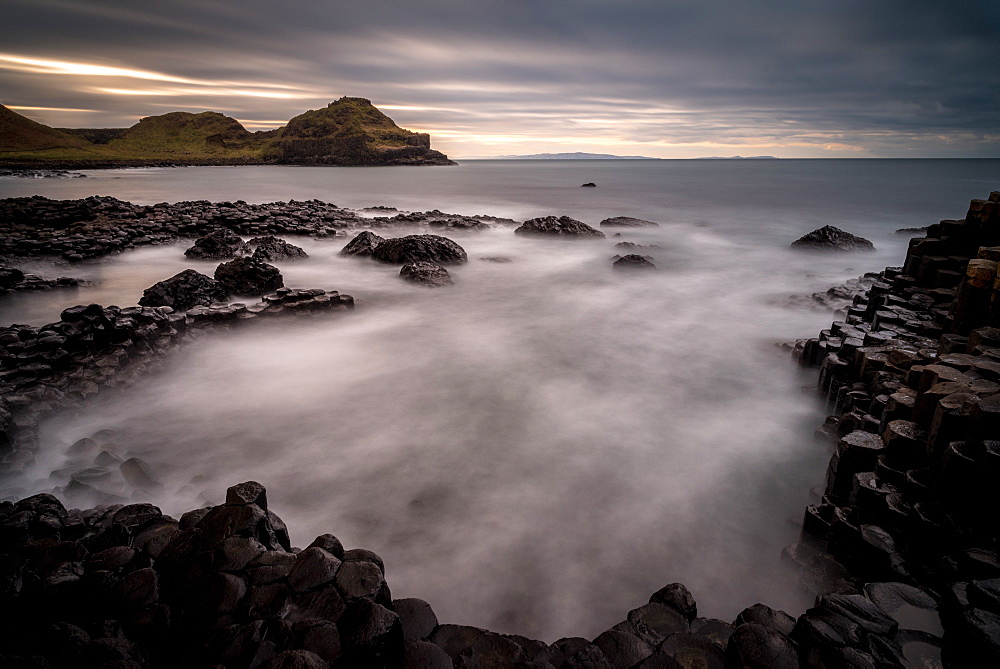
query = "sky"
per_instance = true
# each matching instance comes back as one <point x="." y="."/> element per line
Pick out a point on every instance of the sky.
<point x="666" y="79"/>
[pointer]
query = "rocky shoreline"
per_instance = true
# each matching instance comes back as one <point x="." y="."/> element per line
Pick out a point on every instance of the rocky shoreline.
<point x="902" y="547"/>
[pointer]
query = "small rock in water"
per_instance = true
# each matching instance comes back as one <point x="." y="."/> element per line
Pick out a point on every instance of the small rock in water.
<point x="634" y="262"/>
<point x="270" y="248"/>
<point x="248" y="276"/>
<point x="183" y="291"/>
<point x="500" y="259"/>
<point x="426" y="273"/>
<point x="589" y="185"/>
<point x="829" y="238"/>
<point x="218" y="245"/>
<point x="420" y="248"/>
<point x="363" y="245"/>
<point x="138" y="473"/>
<point x="563" y="226"/>
<point x="627" y="222"/>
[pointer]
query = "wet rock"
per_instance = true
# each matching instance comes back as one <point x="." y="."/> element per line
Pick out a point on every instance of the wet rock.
<point x="627" y="222"/>
<point x="766" y="616"/>
<point x="330" y="544"/>
<point x="248" y="492"/>
<point x="426" y="274"/>
<point x="271" y="249"/>
<point x="754" y="646"/>
<point x="654" y="621"/>
<point x="363" y="245"/>
<point x="562" y="226"/>
<point x="313" y="567"/>
<point x="218" y="245"/>
<point x="183" y="291"/>
<point x="424" y="655"/>
<point x="677" y="597"/>
<point x="420" y="248"/>
<point x="911" y="607"/>
<point x="357" y="579"/>
<point x="829" y="238"/>
<point x="248" y="276"/>
<point x="692" y="650"/>
<point x="632" y="262"/>
<point x="10" y="276"/>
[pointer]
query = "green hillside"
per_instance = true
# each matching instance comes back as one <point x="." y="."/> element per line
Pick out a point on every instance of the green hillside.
<point x="350" y="131"/>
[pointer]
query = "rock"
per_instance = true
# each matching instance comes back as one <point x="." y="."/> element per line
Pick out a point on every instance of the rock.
<point x="371" y="635"/>
<point x="269" y="249"/>
<point x="358" y="579"/>
<point x="9" y="276"/>
<point x="627" y="222"/>
<point x="138" y="473"/>
<point x="363" y="245"/>
<point x="590" y="184"/>
<point x="417" y="618"/>
<point x="766" y="616"/>
<point x="247" y="276"/>
<point x="330" y="544"/>
<point x="633" y="262"/>
<point x="563" y="226"/>
<point x="297" y="659"/>
<point x="497" y="259"/>
<point x="829" y="238"/>
<point x="218" y="245"/>
<point x="692" y="650"/>
<point x="248" y="492"/>
<point x="753" y="646"/>
<point x="677" y="597"/>
<point x="426" y="274"/>
<point x="183" y="291"/>
<point x="622" y="649"/>
<point x="313" y="567"/>
<point x="424" y="655"/>
<point x="420" y="248"/>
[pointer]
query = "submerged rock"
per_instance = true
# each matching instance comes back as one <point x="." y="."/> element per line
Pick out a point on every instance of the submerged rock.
<point x="633" y="262"/>
<point x="627" y="222"/>
<point x="218" y="245"/>
<point x="420" y="248"/>
<point x="832" y="239"/>
<point x="271" y="248"/>
<point x="426" y="273"/>
<point x="363" y="245"/>
<point x="563" y="226"/>
<point x="247" y="276"/>
<point x="183" y="291"/>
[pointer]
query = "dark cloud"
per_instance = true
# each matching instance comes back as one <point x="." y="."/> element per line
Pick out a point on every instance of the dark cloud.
<point x="661" y="78"/>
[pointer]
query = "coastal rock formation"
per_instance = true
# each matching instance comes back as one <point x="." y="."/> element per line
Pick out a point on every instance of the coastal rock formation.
<point x="363" y="245"/>
<point x="632" y="262"/>
<point x="183" y="291"/>
<point x="627" y="222"/>
<point x="10" y="277"/>
<point x="270" y="248"/>
<point x="247" y="276"/>
<point x="563" y="226"/>
<point x="218" y="245"/>
<point x="426" y="273"/>
<point x="13" y="280"/>
<point x="420" y="248"/>
<point x="829" y="238"/>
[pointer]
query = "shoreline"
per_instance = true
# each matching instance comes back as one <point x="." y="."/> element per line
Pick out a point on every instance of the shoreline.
<point x="875" y="342"/>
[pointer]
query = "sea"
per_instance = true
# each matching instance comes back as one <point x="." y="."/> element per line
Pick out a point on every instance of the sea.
<point x="540" y="447"/>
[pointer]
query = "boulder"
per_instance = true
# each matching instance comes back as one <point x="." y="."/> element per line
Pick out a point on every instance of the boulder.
<point x="589" y="184"/>
<point x="218" y="245"/>
<point x="248" y="276"/>
<point x="420" y="248"/>
<point x="627" y="222"/>
<point x="363" y="245"/>
<point x="563" y="226"/>
<point x="183" y="291"/>
<point x="633" y="261"/>
<point x="426" y="273"/>
<point x="269" y="249"/>
<point x="9" y="276"/>
<point x="829" y="238"/>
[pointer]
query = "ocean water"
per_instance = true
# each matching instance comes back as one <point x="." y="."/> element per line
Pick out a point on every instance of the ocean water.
<point x="543" y="445"/>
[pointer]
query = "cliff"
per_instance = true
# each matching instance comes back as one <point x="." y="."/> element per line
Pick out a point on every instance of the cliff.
<point x="350" y="131"/>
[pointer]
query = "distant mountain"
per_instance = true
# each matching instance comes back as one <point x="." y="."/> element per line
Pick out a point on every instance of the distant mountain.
<point x="737" y="158"/>
<point x="349" y="131"/>
<point x="571" y="156"/>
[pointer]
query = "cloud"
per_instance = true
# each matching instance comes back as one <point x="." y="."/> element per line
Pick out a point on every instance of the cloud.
<point x="875" y="78"/>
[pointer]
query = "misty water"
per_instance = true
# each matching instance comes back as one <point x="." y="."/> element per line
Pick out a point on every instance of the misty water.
<point x="541" y="446"/>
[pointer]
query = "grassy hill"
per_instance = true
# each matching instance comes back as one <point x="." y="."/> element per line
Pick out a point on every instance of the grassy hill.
<point x="350" y="131"/>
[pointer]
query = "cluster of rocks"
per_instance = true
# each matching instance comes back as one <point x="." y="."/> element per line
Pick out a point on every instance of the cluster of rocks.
<point x="913" y="375"/>
<point x="836" y="298"/>
<point x="41" y="174"/>
<point x="13" y="280"/>
<point x="422" y="256"/>
<point x="561" y="226"/>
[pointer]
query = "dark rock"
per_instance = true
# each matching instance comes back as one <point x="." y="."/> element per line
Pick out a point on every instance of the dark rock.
<point x="692" y="650"/>
<point x="363" y="245"/>
<point x="633" y="262"/>
<point x="766" y="616"/>
<point x="297" y="659"/>
<point x="717" y="631"/>
<point x="424" y="655"/>
<point x="330" y="544"/>
<point x="754" y="646"/>
<point x="371" y="635"/>
<point x="364" y="555"/>
<point x="248" y="492"/>
<point x="627" y="222"/>
<point x="654" y="621"/>
<point x="563" y="226"/>
<point x="677" y="597"/>
<point x="9" y="276"/>
<point x="183" y="291"/>
<point x="426" y="273"/>
<point x="417" y="618"/>
<point x="313" y="567"/>
<point x="496" y="259"/>
<point x="420" y="248"/>
<point x="270" y="249"/>
<point x="138" y="473"/>
<point x="218" y="245"/>
<point x="325" y="603"/>
<point x="455" y="639"/>
<point x="910" y="606"/>
<point x="357" y="579"/>
<point x="248" y="276"/>
<point x="622" y="649"/>
<point x="320" y="637"/>
<point x="829" y="238"/>
<point x="589" y="184"/>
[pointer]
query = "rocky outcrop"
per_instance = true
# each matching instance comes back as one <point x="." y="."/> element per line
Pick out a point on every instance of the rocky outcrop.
<point x="627" y="222"/>
<point x="426" y="273"/>
<point x="563" y="226"/>
<point x="270" y="249"/>
<point x="218" y="245"/>
<point x="183" y="291"/>
<point x="13" y="280"/>
<point x="363" y="245"/>
<point x="829" y="238"/>
<point x="420" y="248"/>
<point x="247" y="276"/>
